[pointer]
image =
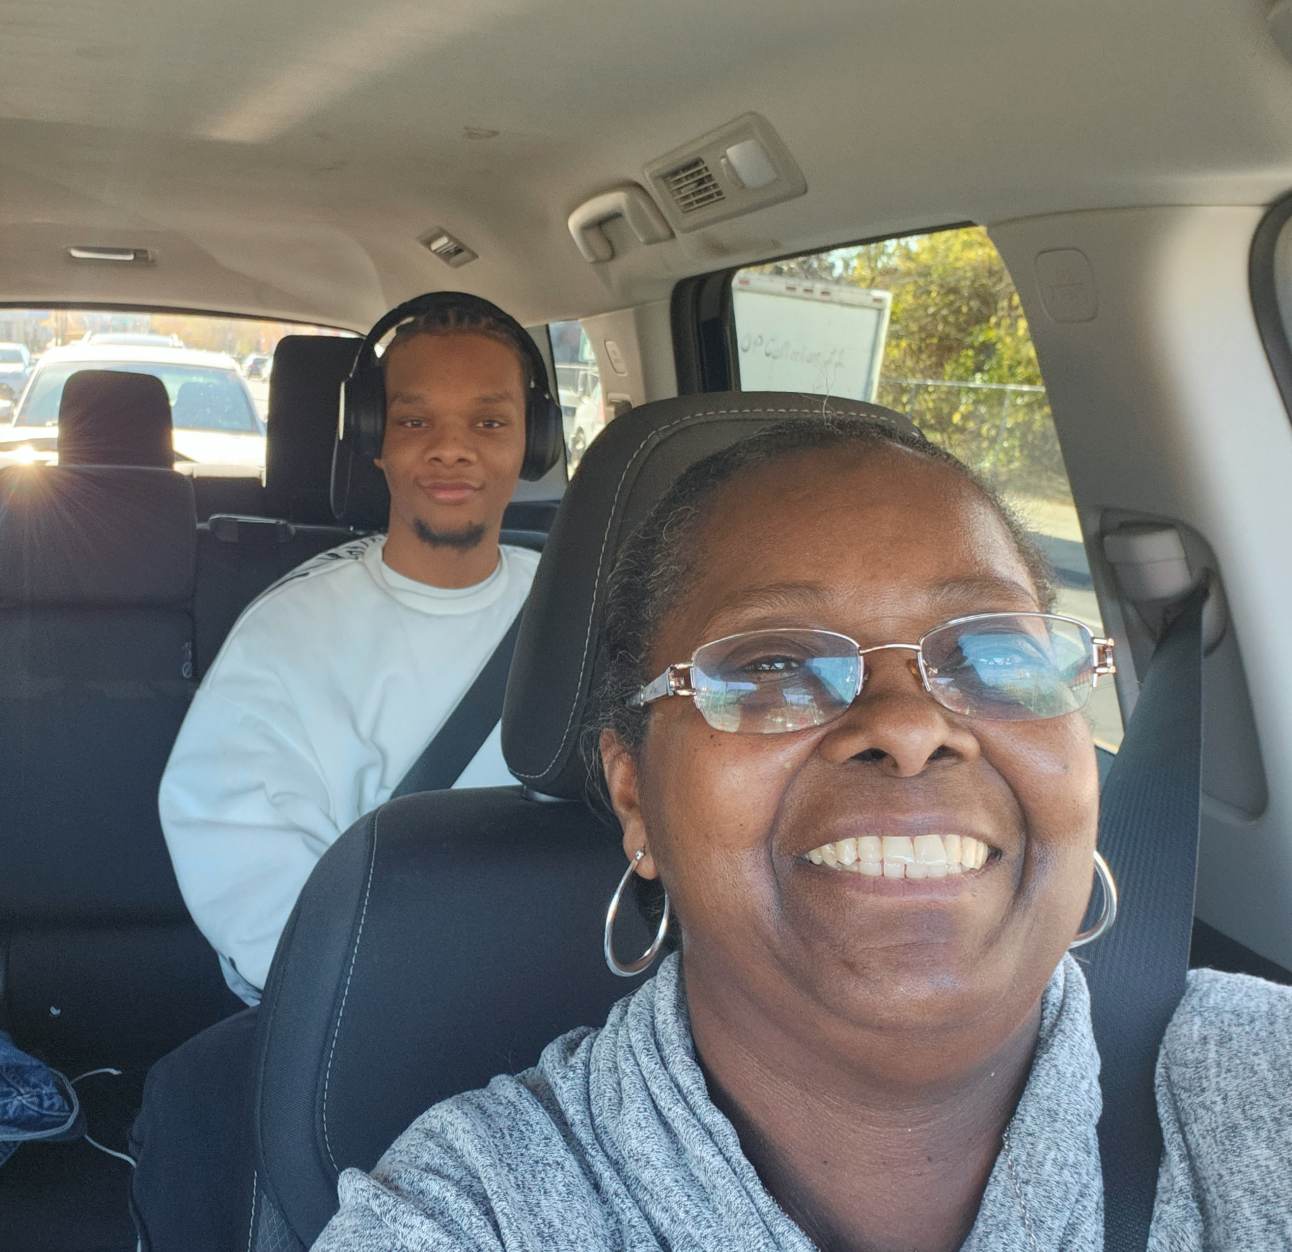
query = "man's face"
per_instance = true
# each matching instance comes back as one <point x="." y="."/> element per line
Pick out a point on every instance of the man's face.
<point x="455" y="436"/>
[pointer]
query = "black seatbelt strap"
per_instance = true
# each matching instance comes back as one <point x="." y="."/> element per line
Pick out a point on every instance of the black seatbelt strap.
<point x="467" y="727"/>
<point x="1148" y="834"/>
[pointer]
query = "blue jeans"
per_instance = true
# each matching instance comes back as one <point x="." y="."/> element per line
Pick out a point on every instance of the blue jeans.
<point x="36" y="1102"/>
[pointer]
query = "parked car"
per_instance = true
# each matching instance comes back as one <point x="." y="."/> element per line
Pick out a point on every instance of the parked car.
<point x="15" y="366"/>
<point x="257" y="365"/>
<point x="224" y="429"/>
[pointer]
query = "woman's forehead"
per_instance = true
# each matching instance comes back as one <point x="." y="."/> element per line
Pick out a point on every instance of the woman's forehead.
<point x="886" y="526"/>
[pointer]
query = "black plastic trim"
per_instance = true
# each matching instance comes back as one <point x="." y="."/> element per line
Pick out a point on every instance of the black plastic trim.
<point x="1265" y="299"/>
<point x="704" y="350"/>
<point x="1212" y="949"/>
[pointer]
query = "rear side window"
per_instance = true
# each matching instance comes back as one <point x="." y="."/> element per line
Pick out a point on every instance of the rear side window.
<point x="578" y="385"/>
<point x="930" y="325"/>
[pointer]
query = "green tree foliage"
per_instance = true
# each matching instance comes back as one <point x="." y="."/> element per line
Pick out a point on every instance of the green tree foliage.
<point x="959" y="357"/>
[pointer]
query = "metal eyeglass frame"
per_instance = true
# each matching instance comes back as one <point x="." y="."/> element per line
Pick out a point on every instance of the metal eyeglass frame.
<point x="678" y="679"/>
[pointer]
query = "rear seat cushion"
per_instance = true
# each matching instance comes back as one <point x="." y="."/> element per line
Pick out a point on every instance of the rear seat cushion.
<point x="110" y="417"/>
<point x="94" y="535"/>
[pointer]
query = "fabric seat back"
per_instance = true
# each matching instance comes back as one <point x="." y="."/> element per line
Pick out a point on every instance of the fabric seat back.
<point x="450" y="935"/>
<point x="96" y="669"/>
<point x="96" y="650"/>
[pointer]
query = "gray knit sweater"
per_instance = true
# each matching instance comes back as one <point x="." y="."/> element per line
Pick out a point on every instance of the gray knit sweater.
<point x="611" y="1142"/>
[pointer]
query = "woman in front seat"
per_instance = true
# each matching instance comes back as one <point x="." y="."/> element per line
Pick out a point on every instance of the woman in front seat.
<point x="877" y="855"/>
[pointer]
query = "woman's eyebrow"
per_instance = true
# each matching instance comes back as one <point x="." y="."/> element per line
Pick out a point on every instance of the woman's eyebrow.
<point x="771" y="596"/>
<point x="981" y="587"/>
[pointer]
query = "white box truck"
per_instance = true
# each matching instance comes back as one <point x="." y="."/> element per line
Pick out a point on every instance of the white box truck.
<point x="795" y="334"/>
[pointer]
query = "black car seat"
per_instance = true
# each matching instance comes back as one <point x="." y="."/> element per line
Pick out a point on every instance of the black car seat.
<point x="101" y="964"/>
<point x="449" y="936"/>
<point x="304" y="391"/>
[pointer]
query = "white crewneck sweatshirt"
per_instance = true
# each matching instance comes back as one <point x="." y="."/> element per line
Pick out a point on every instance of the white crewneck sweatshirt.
<point x="326" y="691"/>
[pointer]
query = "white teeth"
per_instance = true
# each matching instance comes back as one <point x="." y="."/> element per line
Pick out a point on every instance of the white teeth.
<point x="900" y="856"/>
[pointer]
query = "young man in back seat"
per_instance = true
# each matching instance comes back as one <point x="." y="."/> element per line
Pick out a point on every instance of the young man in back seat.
<point x="332" y="683"/>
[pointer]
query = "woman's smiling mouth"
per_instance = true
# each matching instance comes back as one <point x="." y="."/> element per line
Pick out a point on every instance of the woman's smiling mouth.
<point x="902" y="856"/>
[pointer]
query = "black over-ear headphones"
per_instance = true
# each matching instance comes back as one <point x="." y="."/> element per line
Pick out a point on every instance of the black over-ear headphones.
<point x="363" y="393"/>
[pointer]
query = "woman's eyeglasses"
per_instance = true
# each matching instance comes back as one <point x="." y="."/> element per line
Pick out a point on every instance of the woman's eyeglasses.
<point x="1004" y="667"/>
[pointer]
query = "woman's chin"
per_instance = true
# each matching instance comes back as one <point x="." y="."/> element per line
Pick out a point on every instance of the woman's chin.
<point x="933" y="973"/>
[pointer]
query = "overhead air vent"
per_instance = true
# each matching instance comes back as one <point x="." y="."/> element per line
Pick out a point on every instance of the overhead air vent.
<point x="693" y="185"/>
<point x="453" y="252"/>
<point x="733" y="170"/>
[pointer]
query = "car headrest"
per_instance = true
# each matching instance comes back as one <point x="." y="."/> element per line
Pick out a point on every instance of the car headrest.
<point x="622" y="475"/>
<point x="111" y="417"/>
<point x="304" y="391"/>
<point x="94" y="535"/>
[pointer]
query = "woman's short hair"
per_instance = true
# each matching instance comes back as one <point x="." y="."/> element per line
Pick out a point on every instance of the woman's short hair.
<point x="656" y="564"/>
<point x="450" y="319"/>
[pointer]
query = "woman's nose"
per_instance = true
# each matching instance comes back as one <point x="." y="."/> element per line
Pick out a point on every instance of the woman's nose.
<point x="895" y="723"/>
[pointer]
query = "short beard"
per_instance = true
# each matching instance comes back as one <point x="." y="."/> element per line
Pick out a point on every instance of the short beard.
<point x="470" y="536"/>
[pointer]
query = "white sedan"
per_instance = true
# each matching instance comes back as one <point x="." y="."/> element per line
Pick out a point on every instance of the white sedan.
<point x="215" y="422"/>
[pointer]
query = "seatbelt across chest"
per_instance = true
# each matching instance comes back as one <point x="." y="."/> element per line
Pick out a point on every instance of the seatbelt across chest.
<point x="1148" y="833"/>
<point x="464" y="731"/>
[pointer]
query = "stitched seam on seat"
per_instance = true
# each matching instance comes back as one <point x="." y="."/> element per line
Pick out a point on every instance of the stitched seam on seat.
<point x="354" y="956"/>
<point x="605" y="541"/>
<point x="255" y="1190"/>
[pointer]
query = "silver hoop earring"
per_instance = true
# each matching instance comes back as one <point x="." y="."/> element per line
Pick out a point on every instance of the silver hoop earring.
<point x="633" y="967"/>
<point x="1109" y="915"/>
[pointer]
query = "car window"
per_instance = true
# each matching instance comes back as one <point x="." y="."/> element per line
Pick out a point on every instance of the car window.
<point x="201" y="398"/>
<point x="578" y="385"/>
<point x="11" y="356"/>
<point x="216" y="371"/>
<point x="930" y="325"/>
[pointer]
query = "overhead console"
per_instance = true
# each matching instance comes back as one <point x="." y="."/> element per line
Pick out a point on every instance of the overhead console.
<point x="736" y="169"/>
<point x="729" y="172"/>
